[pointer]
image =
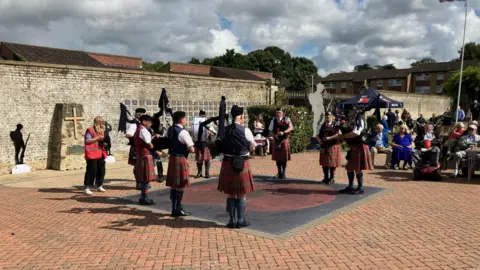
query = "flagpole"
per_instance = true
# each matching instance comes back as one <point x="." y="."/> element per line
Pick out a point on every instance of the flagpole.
<point x="461" y="64"/>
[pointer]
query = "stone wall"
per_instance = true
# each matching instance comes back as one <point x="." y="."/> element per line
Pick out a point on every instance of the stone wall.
<point x="31" y="90"/>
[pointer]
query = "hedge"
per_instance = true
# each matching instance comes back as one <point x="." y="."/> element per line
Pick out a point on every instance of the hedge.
<point x="302" y="123"/>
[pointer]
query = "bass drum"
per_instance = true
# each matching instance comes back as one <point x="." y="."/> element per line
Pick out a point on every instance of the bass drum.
<point x="161" y="143"/>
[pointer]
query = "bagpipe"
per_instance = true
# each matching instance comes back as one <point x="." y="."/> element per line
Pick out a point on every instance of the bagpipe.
<point x="160" y="139"/>
<point x="216" y="146"/>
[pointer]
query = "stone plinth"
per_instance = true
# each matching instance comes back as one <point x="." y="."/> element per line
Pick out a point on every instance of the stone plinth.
<point x="66" y="146"/>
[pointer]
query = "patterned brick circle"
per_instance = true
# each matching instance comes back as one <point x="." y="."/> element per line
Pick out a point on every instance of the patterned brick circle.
<point x="267" y="196"/>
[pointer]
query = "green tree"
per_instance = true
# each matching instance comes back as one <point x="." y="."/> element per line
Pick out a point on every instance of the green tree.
<point x="154" y="67"/>
<point x="386" y="67"/>
<point x="362" y="67"/>
<point x="470" y="81"/>
<point x="195" y="61"/>
<point x="472" y="51"/>
<point x="426" y="60"/>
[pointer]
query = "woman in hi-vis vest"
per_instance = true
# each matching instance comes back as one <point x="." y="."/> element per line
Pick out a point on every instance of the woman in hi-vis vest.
<point x="95" y="155"/>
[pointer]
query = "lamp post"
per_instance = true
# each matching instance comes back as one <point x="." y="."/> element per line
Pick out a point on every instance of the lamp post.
<point x="463" y="55"/>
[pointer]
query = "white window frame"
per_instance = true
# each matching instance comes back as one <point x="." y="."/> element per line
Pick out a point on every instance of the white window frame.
<point x="343" y="85"/>
<point x="440" y="76"/>
<point x="423" y="89"/>
<point x="380" y="83"/>
<point x="422" y="77"/>
<point x="330" y="85"/>
<point x="394" y="82"/>
<point x="439" y="89"/>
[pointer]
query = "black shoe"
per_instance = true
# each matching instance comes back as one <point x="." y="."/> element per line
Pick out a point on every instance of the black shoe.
<point x="331" y="181"/>
<point x="138" y="186"/>
<point x="357" y="191"/>
<point x="180" y="213"/>
<point x="346" y="190"/>
<point x="282" y="176"/>
<point x="207" y="176"/>
<point x="243" y="224"/>
<point x="325" y="181"/>
<point x="160" y="179"/>
<point x="231" y="225"/>
<point x="146" y="201"/>
<point x="198" y="175"/>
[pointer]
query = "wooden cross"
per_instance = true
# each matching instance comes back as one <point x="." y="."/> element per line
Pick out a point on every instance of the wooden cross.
<point x="74" y="119"/>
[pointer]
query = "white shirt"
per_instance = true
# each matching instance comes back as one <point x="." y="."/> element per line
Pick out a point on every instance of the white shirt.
<point x="185" y="138"/>
<point x="145" y="135"/>
<point x="358" y="129"/>
<point x="250" y="139"/>
<point x="131" y="129"/>
<point x="429" y="136"/>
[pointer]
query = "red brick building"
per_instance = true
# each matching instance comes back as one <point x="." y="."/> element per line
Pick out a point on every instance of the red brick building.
<point x="424" y="79"/>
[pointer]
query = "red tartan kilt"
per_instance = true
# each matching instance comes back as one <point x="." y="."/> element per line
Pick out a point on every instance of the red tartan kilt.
<point x="131" y="156"/>
<point x="282" y="154"/>
<point x="360" y="159"/>
<point x="177" y="174"/>
<point x="201" y="156"/>
<point x="230" y="182"/>
<point x="332" y="158"/>
<point x="144" y="169"/>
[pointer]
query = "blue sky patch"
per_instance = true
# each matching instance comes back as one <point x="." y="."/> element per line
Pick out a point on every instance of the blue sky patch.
<point x="224" y="22"/>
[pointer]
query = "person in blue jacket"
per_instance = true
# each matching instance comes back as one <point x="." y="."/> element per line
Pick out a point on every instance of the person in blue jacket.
<point x="379" y="144"/>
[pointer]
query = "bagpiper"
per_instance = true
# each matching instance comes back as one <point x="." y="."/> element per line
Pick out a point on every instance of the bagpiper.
<point x="330" y="156"/>
<point x="281" y="127"/>
<point x="144" y="168"/>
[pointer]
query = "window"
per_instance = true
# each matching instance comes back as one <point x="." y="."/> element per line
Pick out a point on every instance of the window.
<point x="394" y="82"/>
<point x="330" y="85"/>
<point x="423" y="77"/>
<point x="379" y="83"/>
<point x="439" y="89"/>
<point x="440" y="76"/>
<point x="422" y="89"/>
<point x="344" y="85"/>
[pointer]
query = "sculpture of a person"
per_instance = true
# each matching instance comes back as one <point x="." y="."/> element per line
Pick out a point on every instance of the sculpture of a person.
<point x="107" y="138"/>
<point x="316" y="100"/>
<point x="18" y="142"/>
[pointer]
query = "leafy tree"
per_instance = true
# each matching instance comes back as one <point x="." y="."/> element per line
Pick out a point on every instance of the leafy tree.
<point x="472" y="51"/>
<point x="195" y="61"/>
<point x="362" y="67"/>
<point x="386" y="67"/>
<point x="470" y="81"/>
<point x="426" y="60"/>
<point x="154" y="67"/>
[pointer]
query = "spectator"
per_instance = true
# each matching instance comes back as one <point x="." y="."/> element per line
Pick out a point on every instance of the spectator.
<point x="454" y="136"/>
<point x="405" y="115"/>
<point x="391" y="119"/>
<point x="465" y="142"/>
<point x="398" y="118"/>
<point x="402" y="144"/>
<point x="474" y="110"/>
<point x="460" y="114"/>
<point x="95" y="155"/>
<point x="434" y="119"/>
<point x="379" y="144"/>
<point x="446" y="121"/>
<point x="385" y="123"/>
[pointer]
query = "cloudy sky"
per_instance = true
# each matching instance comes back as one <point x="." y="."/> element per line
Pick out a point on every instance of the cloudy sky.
<point x="335" y="34"/>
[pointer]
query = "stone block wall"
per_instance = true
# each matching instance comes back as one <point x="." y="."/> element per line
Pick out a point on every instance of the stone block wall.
<point x="31" y="90"/>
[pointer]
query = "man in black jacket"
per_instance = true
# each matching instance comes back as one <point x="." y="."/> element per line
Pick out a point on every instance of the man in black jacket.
<point x="391" y="119"/>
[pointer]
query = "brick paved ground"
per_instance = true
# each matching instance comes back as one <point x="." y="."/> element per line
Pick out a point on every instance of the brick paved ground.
<point x="47" y="224"/>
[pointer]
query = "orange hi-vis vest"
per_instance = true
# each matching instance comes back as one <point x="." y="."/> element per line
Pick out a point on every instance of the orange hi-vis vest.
<point x="94" y="150"/>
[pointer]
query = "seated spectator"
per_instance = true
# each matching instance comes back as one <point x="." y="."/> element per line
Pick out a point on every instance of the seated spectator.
<point x="379" y="144"/>
<point x="447" y="121"/>
<point x="454" y="136"/>
<point x="384" y="123"/>
<point x="402" y="144"/>
<point x="475" y="123"/>
<point x="428" y="134"/>
<point x="465" y="142"/>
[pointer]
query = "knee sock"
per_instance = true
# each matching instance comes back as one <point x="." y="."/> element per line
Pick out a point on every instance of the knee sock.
<point x="173" y="197"/>
<point x="179" y="198"/>
<point x="159" y="169"/>
<point x="207" y="168"/>
<point x="351" y="177"/>
<point x="332" y="172"/>
<point x="284" y="167"/>
<point x="241" y="204"/>
<point x="360" y="180"/>
<point x="325" y="172"/>
<point x="231" y="206"/>
<point x="199" y="168"/>
<point x="144" y="191"/>
<point x="279" y="167"/>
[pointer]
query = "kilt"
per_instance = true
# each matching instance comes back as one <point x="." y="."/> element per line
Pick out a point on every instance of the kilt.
<point x="230" y="182"/>
<point x="177" y="173"/>
<point x="132" y="156"/>
<point x="144" y="169"/>
<point x="202" y="155"/>
<point x="282" y="154"/>
<point x="332" y="157"/>
<point x="360" y="159"/>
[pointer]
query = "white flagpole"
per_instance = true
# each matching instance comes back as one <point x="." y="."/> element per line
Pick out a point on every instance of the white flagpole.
<point x="461" y="65"/>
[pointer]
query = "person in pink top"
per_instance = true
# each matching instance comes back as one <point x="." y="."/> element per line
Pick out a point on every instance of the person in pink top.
<point x="454" y="136"/>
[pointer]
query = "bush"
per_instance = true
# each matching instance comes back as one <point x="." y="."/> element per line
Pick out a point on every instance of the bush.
<point x="302" y="123"/>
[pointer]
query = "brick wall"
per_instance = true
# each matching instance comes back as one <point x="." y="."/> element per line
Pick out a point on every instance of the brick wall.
<point x="34" y="89"/>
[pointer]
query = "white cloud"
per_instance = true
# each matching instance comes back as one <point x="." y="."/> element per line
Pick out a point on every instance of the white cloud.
<point x="340" y="34"/>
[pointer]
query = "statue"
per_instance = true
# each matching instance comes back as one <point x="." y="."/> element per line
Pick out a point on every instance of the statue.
<point x="20" y="145"/>
<point x="107" y="138"/>
<point x="316" y="100"/>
